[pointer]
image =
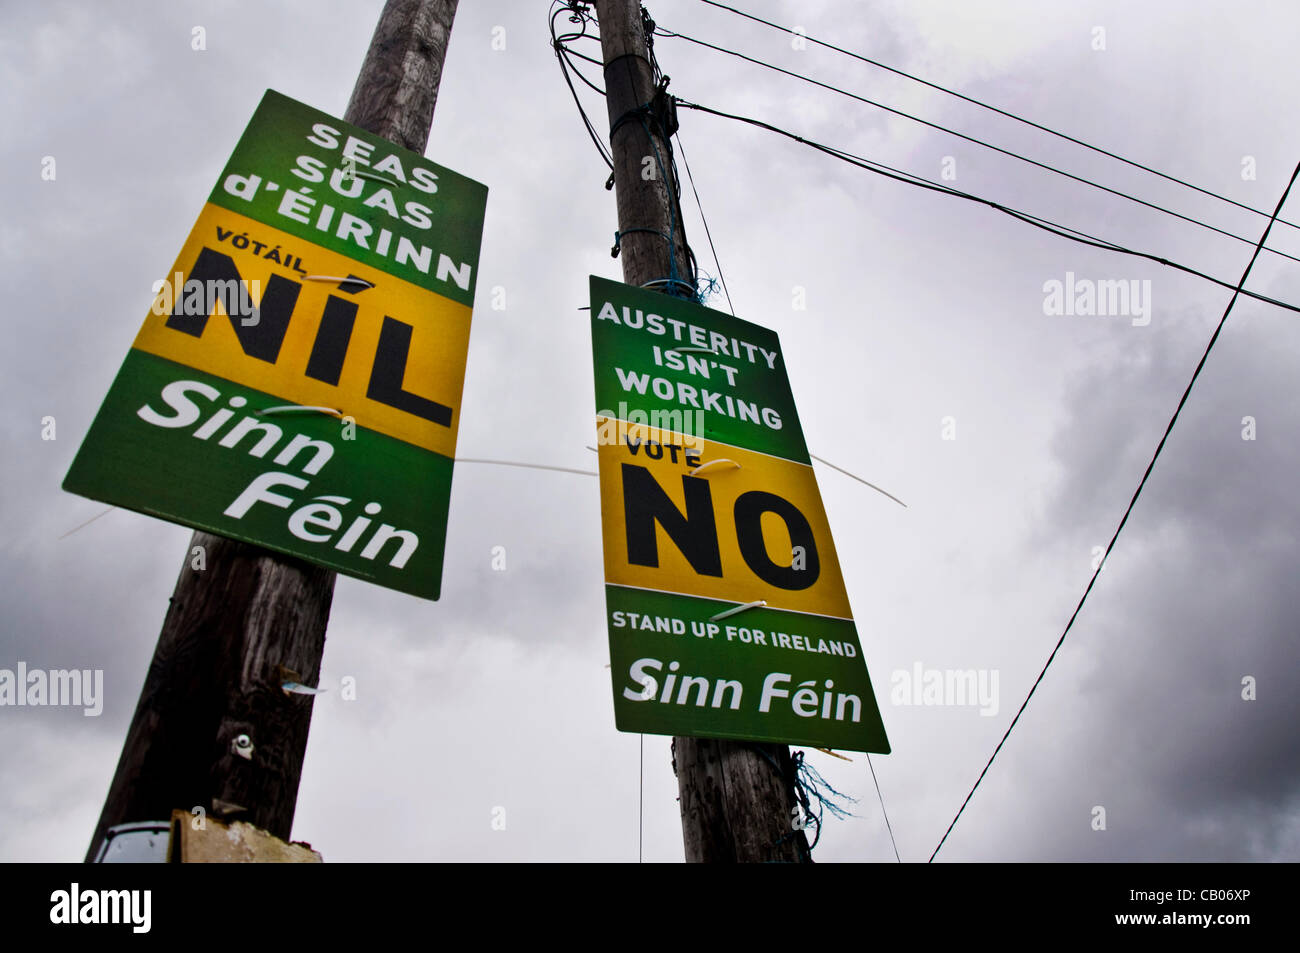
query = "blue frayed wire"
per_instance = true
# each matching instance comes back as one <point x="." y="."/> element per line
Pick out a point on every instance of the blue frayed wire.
<point x="707" y="287"/>
<point x="698" y="293"/>
<point x="808" y="785"/>
<point x="675" y="287"/>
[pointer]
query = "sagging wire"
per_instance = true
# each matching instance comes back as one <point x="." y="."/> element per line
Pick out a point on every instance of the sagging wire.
<point x="578" y="13"/>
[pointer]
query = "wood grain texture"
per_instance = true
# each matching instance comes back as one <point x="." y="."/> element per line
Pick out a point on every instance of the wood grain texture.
<point x="736" y="806"/>
<point x="229" y="631"/>
<point x="397" y="88"/>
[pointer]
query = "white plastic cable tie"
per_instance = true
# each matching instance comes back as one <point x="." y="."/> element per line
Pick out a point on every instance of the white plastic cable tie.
<point x="734" y="610"/>
<point x="338" y="280"/>
<point x="691" y="350"/>
<point x="297" y="688"/>
<point x="714" y="463"/>
<point x="374" y="177"/>
<point x="298" y="408"/>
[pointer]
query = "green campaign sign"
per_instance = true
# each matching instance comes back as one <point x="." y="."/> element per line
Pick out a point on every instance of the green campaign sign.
<point x="333" y="184"/>
<point x="727" y="611"/>
<point x="298" y="378"/>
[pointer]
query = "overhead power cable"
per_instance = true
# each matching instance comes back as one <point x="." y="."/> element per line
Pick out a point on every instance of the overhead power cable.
<point x="1131" y="503"/>
<point x="977" y="141"/>
<point x="530" y="466"/>
<point x="859" y="479"/>
<point x="889" y="827"/>
<point x="1001" y="112"/>
<point x="707" y="233"/>
<point x="88" y="522"/>
<point x="1063" y="231"/>
<point x="562" y="52"/>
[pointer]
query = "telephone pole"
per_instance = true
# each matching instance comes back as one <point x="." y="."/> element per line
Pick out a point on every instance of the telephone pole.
<point x="737" y="798"/>
<point x="243" y="620"/>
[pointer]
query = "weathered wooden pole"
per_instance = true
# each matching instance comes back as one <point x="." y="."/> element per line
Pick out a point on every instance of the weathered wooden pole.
<point x="250" y="619"/>
<point x="737" y="800"/>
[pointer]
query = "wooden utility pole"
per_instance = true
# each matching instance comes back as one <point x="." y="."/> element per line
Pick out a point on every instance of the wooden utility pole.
<point x="737" y="799"/>
<point x="249" y="619"/>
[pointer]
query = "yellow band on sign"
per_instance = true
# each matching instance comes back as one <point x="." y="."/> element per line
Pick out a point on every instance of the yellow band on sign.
<point x="259" y="307"/>
<point x="693" y="516"/>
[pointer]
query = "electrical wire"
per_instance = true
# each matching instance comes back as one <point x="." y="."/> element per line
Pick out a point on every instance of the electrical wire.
<point x="579" y="13"/>
<point x="708" y="234"/>
<point x="889" y="827"/>
<point x="1129" y="509"/>
<point x="979" y="142"/>
<point x="529" y="466"/>
<point x="88" y="522"/>
<point x="1000" y="112"/>
<point x="859" y="479"/>
<point x="558" y="43"/>
<point x="1062" y="231"/>
<point x="640" y="828"/>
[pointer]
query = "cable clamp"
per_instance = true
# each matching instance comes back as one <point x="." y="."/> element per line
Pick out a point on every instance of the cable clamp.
<point x="618" y="238"/>
<point x="635" y="113"/>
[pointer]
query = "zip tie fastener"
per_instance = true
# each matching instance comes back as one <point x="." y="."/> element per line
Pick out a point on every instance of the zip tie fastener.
<point x="358" y="174"/>
<point x="713" y="463"/>
<point x="297" y="688"/>
<point x="295" y="408"/>
<point x="759" y="604"/>
<point x="338" y="280"/>
<point x="691" y="350"/>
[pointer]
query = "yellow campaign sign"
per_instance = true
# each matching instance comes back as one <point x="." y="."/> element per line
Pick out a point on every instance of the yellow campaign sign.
<point x="259" y="307"/>
<point x="307" y="290"/>
<point x="688" y="515"/>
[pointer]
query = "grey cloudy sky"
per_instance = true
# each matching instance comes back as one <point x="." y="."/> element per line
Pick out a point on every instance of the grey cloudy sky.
<point x="919" y="307"/>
